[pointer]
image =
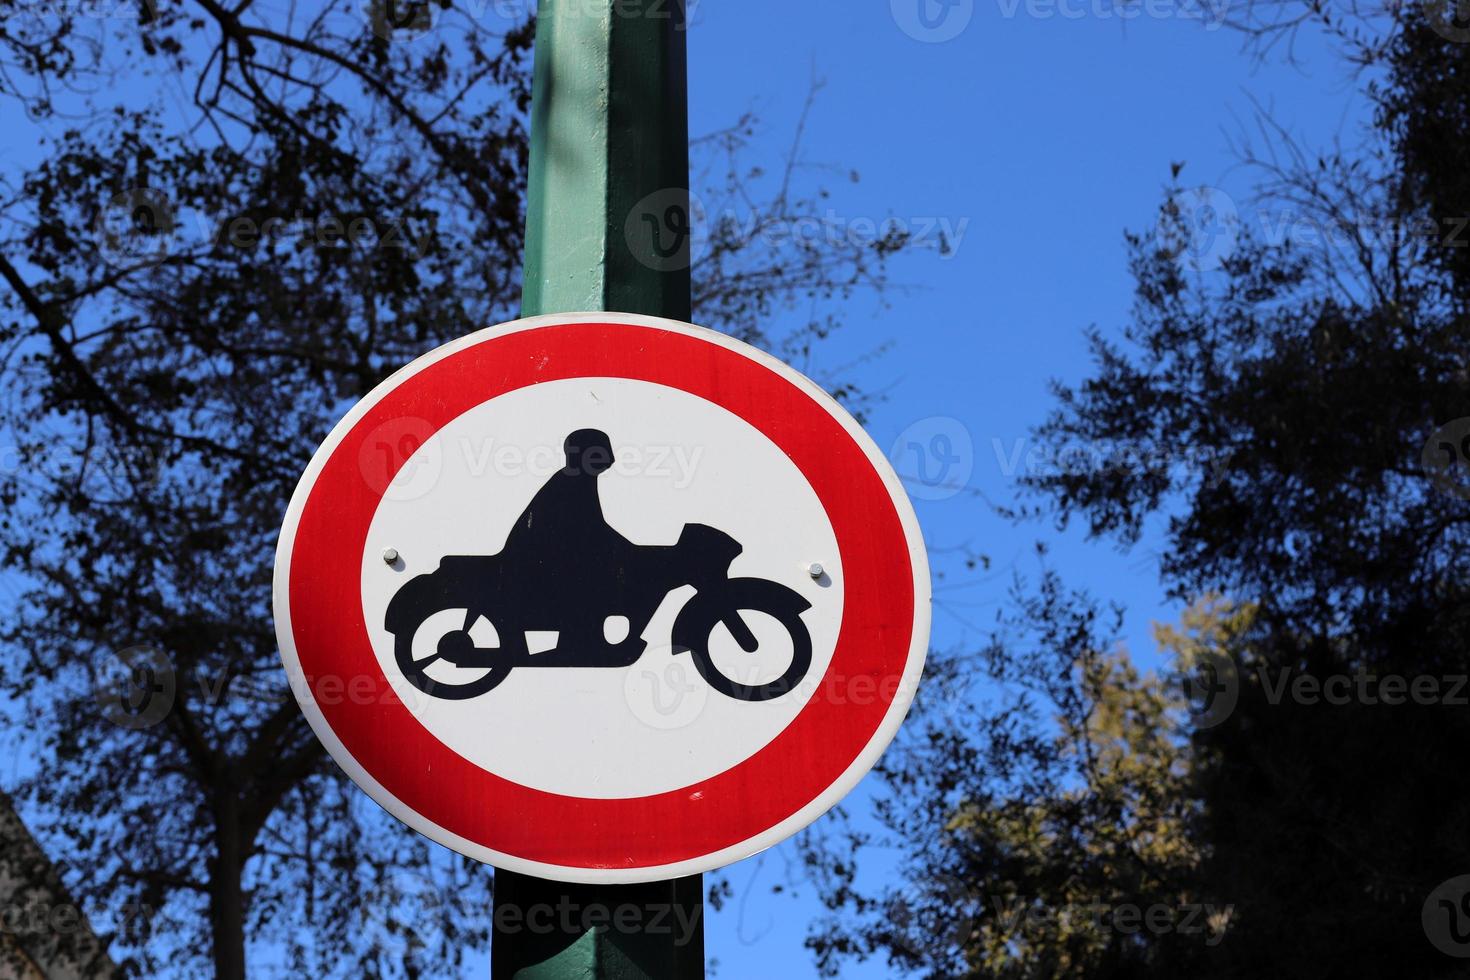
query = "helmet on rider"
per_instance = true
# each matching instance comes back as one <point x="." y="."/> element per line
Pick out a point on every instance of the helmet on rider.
<point x="589" y="451"/>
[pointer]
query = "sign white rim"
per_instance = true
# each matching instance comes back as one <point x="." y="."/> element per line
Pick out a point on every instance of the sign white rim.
<point x="882" y="736"/>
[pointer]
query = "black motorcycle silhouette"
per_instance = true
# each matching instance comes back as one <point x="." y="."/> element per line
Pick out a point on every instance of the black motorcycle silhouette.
<point x="565" y="569"/>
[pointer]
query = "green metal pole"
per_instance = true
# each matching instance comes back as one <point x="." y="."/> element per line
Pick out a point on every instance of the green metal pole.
<point x="607" y="228"/>
<point x="608" y="207"/>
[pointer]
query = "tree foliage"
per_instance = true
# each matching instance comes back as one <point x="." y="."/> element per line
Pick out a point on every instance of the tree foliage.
<point x="1026" y="842"/>
<point x="1314" y="374"/>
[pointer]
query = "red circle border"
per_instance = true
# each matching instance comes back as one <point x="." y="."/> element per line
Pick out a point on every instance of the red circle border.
<point x="331" y="640"/>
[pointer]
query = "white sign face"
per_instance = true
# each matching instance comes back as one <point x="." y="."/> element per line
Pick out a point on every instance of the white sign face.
<point x="602" y="598"/>
<point x="650" y="727"/>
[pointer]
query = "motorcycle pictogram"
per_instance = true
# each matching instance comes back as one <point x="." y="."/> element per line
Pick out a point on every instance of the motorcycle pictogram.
<point x="564" y="569"/>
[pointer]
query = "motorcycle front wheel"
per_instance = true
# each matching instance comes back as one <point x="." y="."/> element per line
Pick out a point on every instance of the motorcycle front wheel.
<point x="695" y="627"/>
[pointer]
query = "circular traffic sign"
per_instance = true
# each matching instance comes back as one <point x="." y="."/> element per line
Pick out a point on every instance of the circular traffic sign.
<point x="601" y="597"/>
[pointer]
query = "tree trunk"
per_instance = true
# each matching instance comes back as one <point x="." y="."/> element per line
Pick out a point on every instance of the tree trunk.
<point x="226" y="896"/>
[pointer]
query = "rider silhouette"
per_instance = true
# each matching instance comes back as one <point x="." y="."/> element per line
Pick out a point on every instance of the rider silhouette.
<point x="581" y="564"/>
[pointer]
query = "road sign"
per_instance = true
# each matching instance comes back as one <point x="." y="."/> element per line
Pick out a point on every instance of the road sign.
<point x="602" y="597"/>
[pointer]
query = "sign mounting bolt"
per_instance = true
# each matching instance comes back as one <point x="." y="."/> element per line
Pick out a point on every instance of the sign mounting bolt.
<point x="390" y="555"/>
<point x="815" y="570"/>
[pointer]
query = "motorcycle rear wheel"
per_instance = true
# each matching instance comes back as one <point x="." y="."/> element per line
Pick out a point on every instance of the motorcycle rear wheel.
<point x="424" y="598"/>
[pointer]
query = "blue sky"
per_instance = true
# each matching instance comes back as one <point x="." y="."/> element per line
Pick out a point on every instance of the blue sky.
<point x="1035" y="131"/>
